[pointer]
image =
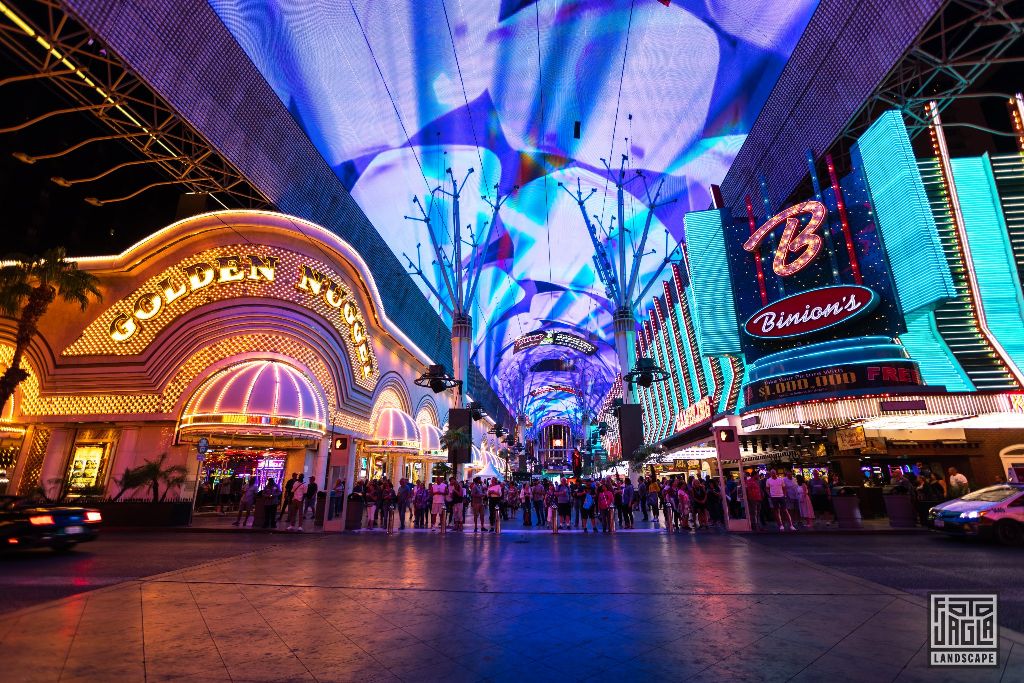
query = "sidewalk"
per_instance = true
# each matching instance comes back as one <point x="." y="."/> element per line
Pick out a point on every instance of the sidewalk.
<point x="222" y="522"/>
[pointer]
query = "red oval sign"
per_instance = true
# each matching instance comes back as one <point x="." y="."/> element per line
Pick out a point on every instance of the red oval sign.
<point x="810" y="311"/>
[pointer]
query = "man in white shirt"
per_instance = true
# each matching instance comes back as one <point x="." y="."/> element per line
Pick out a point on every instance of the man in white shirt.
<point x="957" y="484"/>
<point x="777" y="498"/>
<point x="438" y="493"/>
<point x="295" y="504"/>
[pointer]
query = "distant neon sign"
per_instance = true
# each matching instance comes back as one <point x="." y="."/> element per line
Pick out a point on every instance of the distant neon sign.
<point x="807" y="242"/>
<point x="572" y="341"/>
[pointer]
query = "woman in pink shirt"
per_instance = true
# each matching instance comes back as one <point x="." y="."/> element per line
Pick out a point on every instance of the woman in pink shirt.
<point x="605" y="500"/>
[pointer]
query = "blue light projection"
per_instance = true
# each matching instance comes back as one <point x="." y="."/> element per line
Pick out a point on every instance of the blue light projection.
<point x="393" y="93"/>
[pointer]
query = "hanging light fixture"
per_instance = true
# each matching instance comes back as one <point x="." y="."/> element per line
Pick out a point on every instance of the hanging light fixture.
<point x="437" y="378"/>
<point x="645" y="373"/>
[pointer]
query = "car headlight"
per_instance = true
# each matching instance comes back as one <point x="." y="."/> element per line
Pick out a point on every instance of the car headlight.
<point x="973" y="514"/>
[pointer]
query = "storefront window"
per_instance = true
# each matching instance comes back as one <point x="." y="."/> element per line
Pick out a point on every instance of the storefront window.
<point x="87" y="472"/>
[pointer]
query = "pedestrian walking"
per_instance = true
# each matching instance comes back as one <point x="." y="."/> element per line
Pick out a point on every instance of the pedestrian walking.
<point x="627" y="504"/>
<point x="420" y="505"/>
<point x="403" y="497"/>
<point x="540" y="514"/>
<point x="494" y="495"/>
<point x="371" y="495"/>
<point x="458" y="499"/>
<point x="438" y="493"/>
<point x="271" y="499"/>
<point x="805" y="506"/>
<point x="295" y="505"/>
<point x="526" y="499"/>
<point x="777" y="499"/>
<point x="309" y="502"/>
<point x="246" y="503"/>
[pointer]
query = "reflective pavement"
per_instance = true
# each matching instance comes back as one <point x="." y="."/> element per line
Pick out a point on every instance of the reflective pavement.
<point x="465" y="607"/>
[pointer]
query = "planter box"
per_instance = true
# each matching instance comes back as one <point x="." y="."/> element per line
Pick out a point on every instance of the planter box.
<point x="144" y="514"/>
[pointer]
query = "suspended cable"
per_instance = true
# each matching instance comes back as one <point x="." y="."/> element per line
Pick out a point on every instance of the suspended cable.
<point x="618" y="102"/>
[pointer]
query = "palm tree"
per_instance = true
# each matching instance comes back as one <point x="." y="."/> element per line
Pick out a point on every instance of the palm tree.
<point x="27" y="288"/>
<point x="153" y="473"/>
<point x="132" y="478"/>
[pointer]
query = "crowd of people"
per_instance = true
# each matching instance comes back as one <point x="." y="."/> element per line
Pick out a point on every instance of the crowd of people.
<point x="776" y="498"/>
<point x="684" y="504"/>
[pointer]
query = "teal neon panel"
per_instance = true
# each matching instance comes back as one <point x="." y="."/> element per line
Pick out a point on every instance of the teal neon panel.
<point x="938" y="365"/>
<point x="919" y="267"/>
<point x="990" y="251"/>
<point x="714" y="315"/>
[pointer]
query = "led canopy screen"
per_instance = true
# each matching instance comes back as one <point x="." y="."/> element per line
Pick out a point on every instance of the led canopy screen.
<point x="529" y="93"/>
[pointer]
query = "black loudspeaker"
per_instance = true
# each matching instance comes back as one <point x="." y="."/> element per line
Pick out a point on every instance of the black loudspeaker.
<point x="460" y="418"/>
<point x="631" y="428"/>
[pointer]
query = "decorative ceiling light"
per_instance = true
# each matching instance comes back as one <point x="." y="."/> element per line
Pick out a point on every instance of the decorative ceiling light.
<point x="437" y="378"/>
<point x="645" y="373"/>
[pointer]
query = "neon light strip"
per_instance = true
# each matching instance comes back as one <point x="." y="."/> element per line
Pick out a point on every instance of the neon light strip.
<point x="674" y="341"/>
<point x="780" y="282"/>
<point x="659" y="399"/>
<point x="843" y="220"/>
<point x="827" y="232"/>
<point x="757" y="254"/>
<point x="688" y="373"/>
<point x="700" y="383"/>
<point x="673" y="397"/>
<point x="680" y="353"/>
<point x="965" y="249"/>
<point x="663" y="343"/>
<point x="1017" y="115"/>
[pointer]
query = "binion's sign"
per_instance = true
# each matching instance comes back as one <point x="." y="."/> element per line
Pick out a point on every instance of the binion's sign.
<point x="814" y="271"/>
<point x="811" y="311"/>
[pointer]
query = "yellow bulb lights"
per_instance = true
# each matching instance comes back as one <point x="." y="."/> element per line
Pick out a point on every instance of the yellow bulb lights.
<point x="236" y="271"/>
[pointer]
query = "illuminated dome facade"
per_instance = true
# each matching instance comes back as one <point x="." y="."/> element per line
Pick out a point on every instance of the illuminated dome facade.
<point x="430" y="438"/>
<point x="395" y="430"/>
<point x="257" y="398"/>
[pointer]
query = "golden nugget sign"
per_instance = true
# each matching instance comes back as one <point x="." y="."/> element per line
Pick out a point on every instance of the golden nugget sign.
<point x="221" y="274"/>
<point x="191" y="279"/>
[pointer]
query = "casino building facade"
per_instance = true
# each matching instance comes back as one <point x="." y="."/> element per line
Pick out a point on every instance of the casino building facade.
<point x="872" y="326"/>
<point x="261" y="333"/>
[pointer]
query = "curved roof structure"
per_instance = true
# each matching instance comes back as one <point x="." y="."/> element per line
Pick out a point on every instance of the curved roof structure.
<point x="257" y="397"/>
<point x="529" y="93"/>
<point x="395" y="430"/>
<point x="430" y="438"/>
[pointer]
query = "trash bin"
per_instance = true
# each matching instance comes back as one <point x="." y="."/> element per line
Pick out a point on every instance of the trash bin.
<point x="900" y="507"/>
<point x="846" y="504"/>
<point x="354" y="516"/>
<point x="321" y="506"/>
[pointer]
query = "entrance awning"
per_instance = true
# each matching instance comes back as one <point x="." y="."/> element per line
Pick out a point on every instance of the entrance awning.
<point x="256" y="399"/>
<point x="430" y="441"/>
<point x="395" y="431"/>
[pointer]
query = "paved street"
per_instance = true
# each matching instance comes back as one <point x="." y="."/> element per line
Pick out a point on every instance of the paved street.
<point x="919" y="564"/>
<point x="29" y="578"/>
<point x="421" y="607"/>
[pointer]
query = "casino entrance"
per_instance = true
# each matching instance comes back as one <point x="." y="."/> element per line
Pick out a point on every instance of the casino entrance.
<point x="263" y="419"/>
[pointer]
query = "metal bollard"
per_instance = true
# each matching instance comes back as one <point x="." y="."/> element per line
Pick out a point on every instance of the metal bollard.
<point x="611" y="520"/>
<point x="442" y="521"/>
<point x="497" y="527"/>
<point x="389" y="516"/>
<point x="554" y="519"/>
